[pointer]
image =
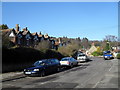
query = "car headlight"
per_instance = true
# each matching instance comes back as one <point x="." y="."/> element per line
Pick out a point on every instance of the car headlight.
<point x="36" y="70"/>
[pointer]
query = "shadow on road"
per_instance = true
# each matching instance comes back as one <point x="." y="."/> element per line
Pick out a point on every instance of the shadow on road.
<point x="13" y="78"/>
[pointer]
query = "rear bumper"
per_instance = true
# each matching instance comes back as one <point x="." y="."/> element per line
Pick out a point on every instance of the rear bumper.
<point x="81" y="60"/>
<point x="65" y="65"/>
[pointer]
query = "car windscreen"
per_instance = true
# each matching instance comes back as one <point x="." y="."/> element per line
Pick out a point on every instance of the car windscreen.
<point x="39" y="63"/>
<point x="81" y="55"/>
<point x="64" y="59"/>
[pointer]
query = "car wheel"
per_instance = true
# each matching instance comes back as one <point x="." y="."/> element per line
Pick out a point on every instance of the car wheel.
<point x="77" y="64"/>
<point x="71" y="66"/>
<point x="58" y="69"/>
<point x="42" y="73"/>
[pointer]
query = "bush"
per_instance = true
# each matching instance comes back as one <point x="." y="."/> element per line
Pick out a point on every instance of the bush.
<point x="68" y="50"/>
<point x="96" y="53"/>
<point x="118" y="56"/>
<point x="16" y="59"/>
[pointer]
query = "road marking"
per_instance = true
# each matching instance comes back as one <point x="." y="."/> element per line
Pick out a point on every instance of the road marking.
<point x="89" y="78"/>
<point x="96" y="84"/>
<point x="111" y="67"/>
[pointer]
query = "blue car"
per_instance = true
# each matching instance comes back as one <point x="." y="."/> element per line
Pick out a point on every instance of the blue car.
<point x="43" y="67"/>
<point x="107" y="55"/>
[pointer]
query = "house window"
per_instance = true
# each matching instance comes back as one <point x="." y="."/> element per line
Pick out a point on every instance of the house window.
<point x="19" y="36"/>
<point x="28" y="37"/>
<point x="35" y="38"/>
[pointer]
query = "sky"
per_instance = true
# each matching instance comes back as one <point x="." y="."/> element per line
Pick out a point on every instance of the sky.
<point x="93" y="20"/>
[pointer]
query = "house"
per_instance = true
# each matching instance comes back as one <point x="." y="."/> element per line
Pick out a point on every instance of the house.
<point x="26" y="38"/>
<point x="35" y="39"/>
<point x="41" y="37"/>
<point x="91" y="50"/>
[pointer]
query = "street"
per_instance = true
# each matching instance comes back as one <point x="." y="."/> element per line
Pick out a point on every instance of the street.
<point x="97" y="73"/>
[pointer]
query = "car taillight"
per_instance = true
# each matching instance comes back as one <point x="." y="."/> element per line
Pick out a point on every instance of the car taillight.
<point x="68" y="62"/>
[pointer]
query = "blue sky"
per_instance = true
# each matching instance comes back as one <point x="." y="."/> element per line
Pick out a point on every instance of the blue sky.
<point x="93" y="20"/>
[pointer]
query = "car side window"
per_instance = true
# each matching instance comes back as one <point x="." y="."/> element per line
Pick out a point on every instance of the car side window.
<point x="48" y="63"/>
<point x="54" y="61"/>
<point x="71" y="59"/>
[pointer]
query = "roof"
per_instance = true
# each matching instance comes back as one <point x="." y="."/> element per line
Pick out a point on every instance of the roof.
<point x="46" y="36"/>
<point x="40" y="35"/>
<point x="56" y="43"/>
<point x="92" y="49"/>
<point x="6" y="30"/>
<point x="25" y="32"/>
<point x="34" y="33"/>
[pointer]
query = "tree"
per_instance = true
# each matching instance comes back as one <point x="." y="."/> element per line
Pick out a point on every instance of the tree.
<point x="110" y="38"/>
<point x="107" y="47"/>
<point x="5" y="40"/>
<point x="69" y="50"/>
<point x="85" y="43"/>
<point x="3" y="26"/>
<point x="44" y="45"/>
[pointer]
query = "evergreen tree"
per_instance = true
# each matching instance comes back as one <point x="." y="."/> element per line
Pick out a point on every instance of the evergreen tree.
<point x="3" y="26"/>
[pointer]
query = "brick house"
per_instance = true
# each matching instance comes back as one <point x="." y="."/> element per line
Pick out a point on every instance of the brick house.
<point x="25" y="38"/>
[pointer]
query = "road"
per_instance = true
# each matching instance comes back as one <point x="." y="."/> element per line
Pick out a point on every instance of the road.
<point x="97" y="73"/>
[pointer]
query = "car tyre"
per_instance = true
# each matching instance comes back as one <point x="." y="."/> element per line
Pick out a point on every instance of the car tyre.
<point x="58" y="69"/>
<point x="76" y="64"/>
<point x="42" y="74"/>
<point x="71" y="66"/>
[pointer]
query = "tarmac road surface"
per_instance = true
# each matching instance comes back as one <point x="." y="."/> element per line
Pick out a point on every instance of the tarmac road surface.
<point x="97" y="73"/>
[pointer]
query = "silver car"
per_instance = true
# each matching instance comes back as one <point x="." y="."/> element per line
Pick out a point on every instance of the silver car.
<point x="68" y="61"/>
<point x="82" y="57"/>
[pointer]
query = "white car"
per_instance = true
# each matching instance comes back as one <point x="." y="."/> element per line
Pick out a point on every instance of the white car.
<point x="68" y="61"/>
<point x="82" y="57"/>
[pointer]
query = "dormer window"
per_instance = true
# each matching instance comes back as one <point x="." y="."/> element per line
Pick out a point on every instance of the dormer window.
<point x="19" y="36"/>
<point x="27" y="37"/>
<point x="35" y="38"/>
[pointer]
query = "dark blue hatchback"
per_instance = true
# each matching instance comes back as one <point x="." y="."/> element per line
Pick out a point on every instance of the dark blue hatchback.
<point x="43" y="67"/>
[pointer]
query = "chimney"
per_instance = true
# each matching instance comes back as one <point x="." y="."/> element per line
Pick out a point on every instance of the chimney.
<point x="40" y="33"/>
<point x="26" y="28"/>
<point x="17" y="27"/>
<point x="59" y="40"/>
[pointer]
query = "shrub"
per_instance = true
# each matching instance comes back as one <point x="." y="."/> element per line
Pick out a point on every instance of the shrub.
<point x="44" y="45"/>
<point x="118" y="56"/>
<point x="68" y="50"/>
<point x="96" y="53"/>
<point x="16" y="59"/>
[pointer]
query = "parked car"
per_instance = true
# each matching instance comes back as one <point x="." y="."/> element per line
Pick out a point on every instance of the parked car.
<point x="107" y="55"/>
<point x="68" y="62"/>
<point x="43" y="67"/>
<point x="81" y="57"/>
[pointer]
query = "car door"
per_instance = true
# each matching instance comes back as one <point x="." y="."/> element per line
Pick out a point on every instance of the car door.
<point x="73" y="61"/>
<point x="54" y="64"/>
<point x="48" y="68"/>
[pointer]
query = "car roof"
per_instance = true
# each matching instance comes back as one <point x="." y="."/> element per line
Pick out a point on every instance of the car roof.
<point x="66" y="57"/>
<point x="44" y="60"/>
